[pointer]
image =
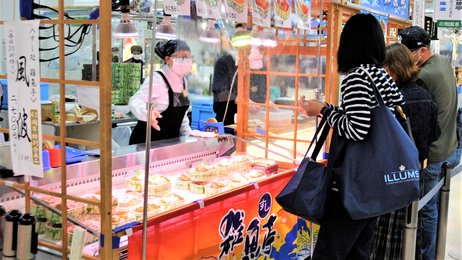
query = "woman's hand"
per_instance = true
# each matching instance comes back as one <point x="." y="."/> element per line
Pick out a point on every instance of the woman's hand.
<point x="310" y="107"/>
<point x="154" y="116"/>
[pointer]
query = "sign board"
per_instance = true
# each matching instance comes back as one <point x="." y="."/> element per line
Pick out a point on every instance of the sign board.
<point x="177" y="7"/>
<point x="245" y="225"/>
<point x="418" y="13"/>
<point x="447" y="10"/>
<point x="24" y="106"/>
<point x="283" y="13"/>
<point x="236" y="10"/>
<point x="399" y="8"/>
<point x="449" y="23"/>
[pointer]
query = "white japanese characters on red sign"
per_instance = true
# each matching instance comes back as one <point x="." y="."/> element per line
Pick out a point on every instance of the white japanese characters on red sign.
<point x="24" y="111"/>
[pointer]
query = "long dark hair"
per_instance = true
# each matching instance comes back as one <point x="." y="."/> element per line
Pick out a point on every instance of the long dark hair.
<point x="361" y="42"/>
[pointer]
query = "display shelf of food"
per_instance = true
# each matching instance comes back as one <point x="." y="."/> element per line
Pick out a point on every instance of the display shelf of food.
<point x="182" y="172"/>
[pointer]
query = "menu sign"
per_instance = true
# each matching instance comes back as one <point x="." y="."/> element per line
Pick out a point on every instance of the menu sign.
<point x="236" y="10"/>
<point x="24" y="107"/>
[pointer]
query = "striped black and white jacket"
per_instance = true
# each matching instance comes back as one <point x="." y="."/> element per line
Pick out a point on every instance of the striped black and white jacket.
<point x="352" y="119"/>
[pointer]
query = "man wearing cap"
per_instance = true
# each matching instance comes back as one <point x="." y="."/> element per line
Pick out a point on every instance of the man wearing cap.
<point x="435" y="75"/>
<point x="136" y="51"/>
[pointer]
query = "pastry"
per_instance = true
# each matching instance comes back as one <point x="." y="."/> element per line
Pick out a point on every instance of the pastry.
<point x="216" y="187"/>
<point x="158" y="185"/>
<point x="197" y="187"/>
<point x="170" y="201"/>
<point x="183" y="182"/>
<point x="225" y="167"/>
<point x="203" y="172"/>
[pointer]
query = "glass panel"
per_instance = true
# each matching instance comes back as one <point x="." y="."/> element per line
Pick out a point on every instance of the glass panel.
<point x="284" y="63"/>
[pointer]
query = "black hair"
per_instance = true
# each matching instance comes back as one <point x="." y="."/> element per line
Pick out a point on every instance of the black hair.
<point x="361" y="42"/>
<point x="164" y="49"/>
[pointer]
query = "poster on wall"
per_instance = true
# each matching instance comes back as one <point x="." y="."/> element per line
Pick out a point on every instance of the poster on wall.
<point x="24" y="106"/>
<point x="399" y="8"/>
<point x="418" y="17"/>
<point x="283" y="13"/>
<point x="208" y="9"/>
<point x="303" y="13"/>
<point x="236" y="10"/>
<point x="177" y="7"/>
<point x="261" y="13"/>
<point x="447" y="10"/>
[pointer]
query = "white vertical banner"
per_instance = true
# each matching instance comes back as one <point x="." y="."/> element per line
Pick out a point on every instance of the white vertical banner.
<point x="177" y="7"/>
<point x="447" y="10"/>
<point x="24" y="109"/>
<point x="261" y="13"/>
<point x="418" y="13"/>
<point x="236" y="10"/>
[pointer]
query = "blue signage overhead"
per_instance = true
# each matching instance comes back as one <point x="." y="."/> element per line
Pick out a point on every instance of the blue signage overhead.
<point x="399" y="8"/>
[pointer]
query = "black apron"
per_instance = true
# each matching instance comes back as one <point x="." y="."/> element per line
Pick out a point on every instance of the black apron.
<point x="172" y="118"/>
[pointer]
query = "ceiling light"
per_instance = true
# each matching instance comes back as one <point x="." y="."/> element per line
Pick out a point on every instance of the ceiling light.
<point x="166" y="30"/>
<point x="210" y="35"/>
<point x="126" y="28"/>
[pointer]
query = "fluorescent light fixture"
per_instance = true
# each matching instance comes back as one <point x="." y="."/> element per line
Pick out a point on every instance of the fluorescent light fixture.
<point x="125" y="29"/>
<point x="210" y="35"/>
<point x="241" y="39"/>
<point x="166" y="30"/>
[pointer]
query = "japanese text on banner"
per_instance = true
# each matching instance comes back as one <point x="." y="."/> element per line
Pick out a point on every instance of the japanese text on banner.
<point x="24" y="111"/>
<point x="177" y="7"/>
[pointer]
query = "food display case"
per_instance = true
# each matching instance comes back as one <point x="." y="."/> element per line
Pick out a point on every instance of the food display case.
<point x="186" y="174"/>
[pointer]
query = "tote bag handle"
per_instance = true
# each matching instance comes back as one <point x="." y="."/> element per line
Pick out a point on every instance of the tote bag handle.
<point x="322" y="128"/>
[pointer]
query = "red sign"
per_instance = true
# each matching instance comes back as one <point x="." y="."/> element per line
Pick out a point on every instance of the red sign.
<point x="244" y="224"/>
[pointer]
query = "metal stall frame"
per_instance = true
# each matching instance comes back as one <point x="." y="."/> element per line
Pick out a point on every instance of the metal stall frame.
<point x="105" y="85"/>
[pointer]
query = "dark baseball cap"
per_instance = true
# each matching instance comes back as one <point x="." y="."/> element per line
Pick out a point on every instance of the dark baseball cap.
<point x="414" y="37"/>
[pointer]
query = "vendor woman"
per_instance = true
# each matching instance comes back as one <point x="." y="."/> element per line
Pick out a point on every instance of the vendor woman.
<point x="169" y="95"/>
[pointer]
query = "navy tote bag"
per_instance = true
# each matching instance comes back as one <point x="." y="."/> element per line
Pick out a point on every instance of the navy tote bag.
<point x="380" y="173"/>
<point x="305" y="193"/>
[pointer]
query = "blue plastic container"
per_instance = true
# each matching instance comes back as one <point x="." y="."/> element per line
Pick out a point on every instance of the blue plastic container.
<point x="4" y="83"/>
<point x="46" y="160"/>
<point x="201" y="111"/>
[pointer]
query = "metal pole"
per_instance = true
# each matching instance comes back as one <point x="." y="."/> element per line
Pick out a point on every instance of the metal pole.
<point x="148" y="133"/>
<point x="410" y="230"/>
<point x="443" y="213"/>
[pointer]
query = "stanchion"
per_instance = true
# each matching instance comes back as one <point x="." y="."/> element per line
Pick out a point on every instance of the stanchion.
<point x="443" y="213"/>
<point x="410" y="230"/>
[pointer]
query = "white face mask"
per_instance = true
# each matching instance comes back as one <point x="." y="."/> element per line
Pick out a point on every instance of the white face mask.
<point x="420" y="57"/>
<point x="137" y="56"/>
<point x="181" y="66"/>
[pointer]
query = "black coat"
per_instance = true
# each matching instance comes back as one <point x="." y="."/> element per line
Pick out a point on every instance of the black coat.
<point x="422" y="111"/>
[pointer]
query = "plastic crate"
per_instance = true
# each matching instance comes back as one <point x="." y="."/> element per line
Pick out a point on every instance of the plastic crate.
<point x="4" y="83"/>
<point x="201" y="110"/>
